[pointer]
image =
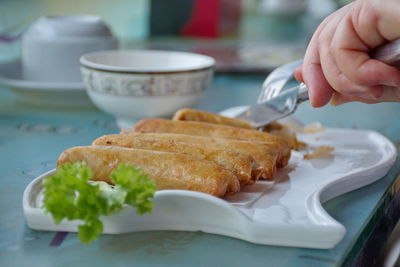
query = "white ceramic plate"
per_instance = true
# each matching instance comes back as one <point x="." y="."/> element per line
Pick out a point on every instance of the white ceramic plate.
<point x="286" y="213"/>
<point x="42" y="93"/>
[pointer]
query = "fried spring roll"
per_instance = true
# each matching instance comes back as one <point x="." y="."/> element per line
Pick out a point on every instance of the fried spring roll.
<point x="187" y="114"/>
<point x="264" y="154"/>
<point x="273" y="128"/>
<point x="283" y="131"/>
<point x="216" y="131"/>
<point x="238" y="163"/>
<point x="203" y="129"/>
<point x="168" y="170"/>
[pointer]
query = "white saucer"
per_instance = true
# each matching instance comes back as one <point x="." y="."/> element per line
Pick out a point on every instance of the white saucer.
<point x="59" y="94"/>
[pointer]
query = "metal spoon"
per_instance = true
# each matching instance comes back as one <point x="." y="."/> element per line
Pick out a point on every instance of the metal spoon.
<point x="275" y="102"/>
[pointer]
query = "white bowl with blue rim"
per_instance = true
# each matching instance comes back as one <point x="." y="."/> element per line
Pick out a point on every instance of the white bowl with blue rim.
<point x="135" y="84"/>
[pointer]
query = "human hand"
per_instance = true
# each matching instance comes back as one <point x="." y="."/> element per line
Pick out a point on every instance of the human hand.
<point x="337" y="67"/>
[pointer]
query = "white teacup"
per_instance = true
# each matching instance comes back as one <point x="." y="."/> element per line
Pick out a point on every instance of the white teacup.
<point x="52" y="46"/>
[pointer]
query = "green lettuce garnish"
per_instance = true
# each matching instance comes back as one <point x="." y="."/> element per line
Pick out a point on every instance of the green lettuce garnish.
<point x="69" y="195"/>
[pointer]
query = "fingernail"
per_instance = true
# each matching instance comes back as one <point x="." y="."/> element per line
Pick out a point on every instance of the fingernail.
<point x="376" y="91"/>
<point x="336" y="101"/>
<point x="373" y="93"/>
<point x="391" y="84"/>
<point x="366" y="95"/>
<point x="298" y="75"/>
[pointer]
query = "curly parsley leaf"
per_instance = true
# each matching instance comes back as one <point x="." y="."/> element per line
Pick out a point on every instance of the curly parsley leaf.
<point x="69" y="195"/>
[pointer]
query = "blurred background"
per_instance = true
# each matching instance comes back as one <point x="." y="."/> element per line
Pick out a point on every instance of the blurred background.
<point x="243" y="35"/>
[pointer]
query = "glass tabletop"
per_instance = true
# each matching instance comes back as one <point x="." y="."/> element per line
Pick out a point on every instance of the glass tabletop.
<point x="31" y="138"/>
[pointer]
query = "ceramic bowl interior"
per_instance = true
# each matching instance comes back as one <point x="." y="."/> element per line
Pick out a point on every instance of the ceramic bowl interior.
<point x="146" y="61"/>
<point x="136" y="84"/>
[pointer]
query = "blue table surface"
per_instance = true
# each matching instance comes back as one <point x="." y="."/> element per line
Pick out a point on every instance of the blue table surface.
<point x="31" y="138"/>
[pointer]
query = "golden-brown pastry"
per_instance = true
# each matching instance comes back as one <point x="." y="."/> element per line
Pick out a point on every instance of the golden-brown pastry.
<point x="187" y="114"/>
<point x="274" y="128"/>
<point x="155" y="125"/>
<point x="283" y="131"/>
<point x="238" y="163"/>
<point x="266" y="155"/>
<point x="216" y="131"/>
<point x="168" y="170"/>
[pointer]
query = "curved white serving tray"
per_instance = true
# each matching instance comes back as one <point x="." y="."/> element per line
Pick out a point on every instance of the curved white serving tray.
<point x="287" y="212"/>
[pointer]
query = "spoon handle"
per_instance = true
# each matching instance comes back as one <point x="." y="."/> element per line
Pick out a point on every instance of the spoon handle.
<point x="388" y="53"/>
